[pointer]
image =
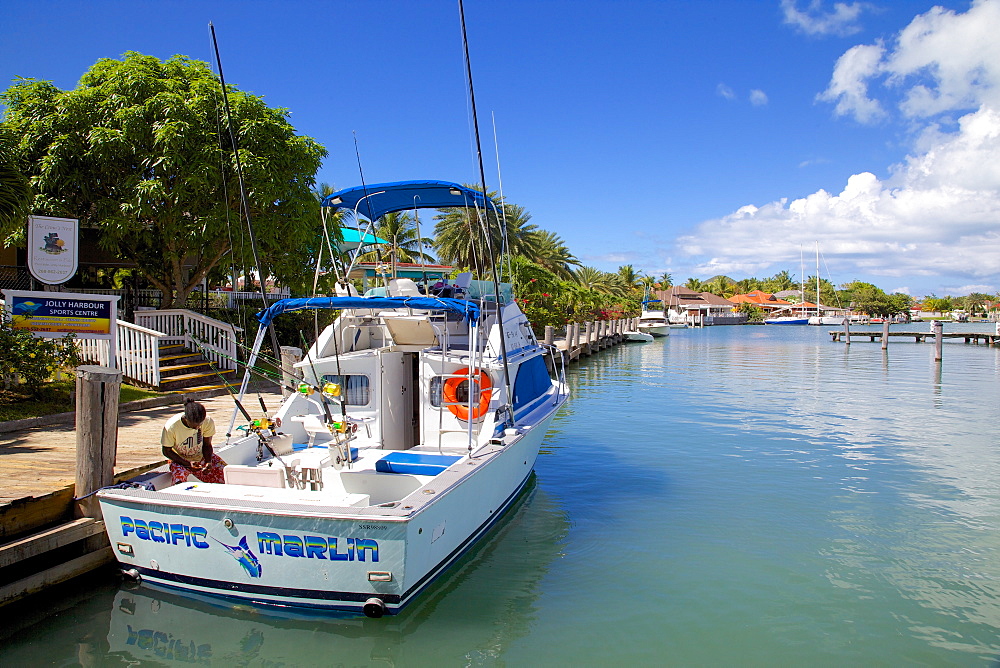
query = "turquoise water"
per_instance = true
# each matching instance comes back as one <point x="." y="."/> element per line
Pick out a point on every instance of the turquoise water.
<point x="728" y="496"/>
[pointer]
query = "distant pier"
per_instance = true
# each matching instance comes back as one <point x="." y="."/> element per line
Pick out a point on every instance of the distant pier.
<point x="918" y="337"/>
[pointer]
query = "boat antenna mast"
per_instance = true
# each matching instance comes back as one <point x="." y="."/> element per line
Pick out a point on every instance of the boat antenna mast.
<point x="482" y="182"/>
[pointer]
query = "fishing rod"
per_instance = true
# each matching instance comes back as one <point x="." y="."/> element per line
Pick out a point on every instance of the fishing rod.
<point x="255" y="426"/>
<point x="264" y="375"/>
<point x="326" y="407"/>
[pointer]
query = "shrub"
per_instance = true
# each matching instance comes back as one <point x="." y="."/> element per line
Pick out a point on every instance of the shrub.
<point x="32" y="360"/>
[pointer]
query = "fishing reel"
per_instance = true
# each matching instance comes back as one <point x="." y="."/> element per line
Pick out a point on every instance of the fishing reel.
<point x="329" y="389"/>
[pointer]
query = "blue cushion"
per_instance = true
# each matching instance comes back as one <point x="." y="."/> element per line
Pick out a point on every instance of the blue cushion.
<point x="415" y="463"/>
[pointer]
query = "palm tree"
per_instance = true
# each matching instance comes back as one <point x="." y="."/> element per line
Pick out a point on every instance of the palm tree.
<point x="722" y="286"/>
<point x="629" y="277"/>
<point x="666" y="281"/>
<point x="552" y="253"/>
<point x="694" y="285"/>
<point x="594" y="279"/>
<point x="400" y="230"/>
<point x="781" y="281"/>
<point x="464" y="237"/>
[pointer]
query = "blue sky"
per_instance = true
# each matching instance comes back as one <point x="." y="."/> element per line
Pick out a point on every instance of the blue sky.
<point x="694" y="138"/>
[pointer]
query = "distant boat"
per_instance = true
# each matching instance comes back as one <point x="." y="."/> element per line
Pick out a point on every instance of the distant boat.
<point x="826" y="320"/>
<point x="786" y="320"/>
<point x="654" y="323"/>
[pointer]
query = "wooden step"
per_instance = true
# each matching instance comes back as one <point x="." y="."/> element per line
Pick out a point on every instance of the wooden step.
<point x="198" y="388"/>
<point x="179" y="356"/>
<point x="178" y="381"/>
<point x="168" y="370"/>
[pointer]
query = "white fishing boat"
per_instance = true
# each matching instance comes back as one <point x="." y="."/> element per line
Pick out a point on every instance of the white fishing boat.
<point x="416" y="426"/>
<point x="651" y="322"/>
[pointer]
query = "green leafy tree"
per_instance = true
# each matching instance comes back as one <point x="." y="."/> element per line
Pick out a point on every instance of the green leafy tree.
<point x="975" y="302"/>
<point x="938" y="304"/>
<point x="15" y="191"/>
<point x="137" y="150"/>
<point x="753" y="312"/>
<point x="628" y="279"/>
<point x="873" y="301"/>
<point x="666" y="281"/>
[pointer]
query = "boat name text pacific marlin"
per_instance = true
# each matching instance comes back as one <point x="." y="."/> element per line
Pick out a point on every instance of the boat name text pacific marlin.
<point x="285" y="545"/>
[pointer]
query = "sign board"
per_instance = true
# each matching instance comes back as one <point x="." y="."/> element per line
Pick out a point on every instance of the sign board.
<point x="53" y="248"/>
<point x="54" y="314"/>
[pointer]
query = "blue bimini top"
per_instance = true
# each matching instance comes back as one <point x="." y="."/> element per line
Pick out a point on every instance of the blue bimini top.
<point x="466" y="308"/>
<point x="378" y="199"/>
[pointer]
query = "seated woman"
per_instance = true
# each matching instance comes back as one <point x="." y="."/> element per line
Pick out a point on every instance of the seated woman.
<point x="186" y="440"/>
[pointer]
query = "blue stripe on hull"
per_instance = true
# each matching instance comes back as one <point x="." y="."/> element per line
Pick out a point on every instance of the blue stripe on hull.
<point x="339" y="600"/>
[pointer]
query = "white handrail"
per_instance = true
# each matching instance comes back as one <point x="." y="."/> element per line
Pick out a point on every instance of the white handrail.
<point x="138" y="352"/>
<point x="215" y="339"/>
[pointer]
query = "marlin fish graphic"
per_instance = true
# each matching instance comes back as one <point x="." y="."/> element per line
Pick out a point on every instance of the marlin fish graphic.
<point x="242" y="554"/>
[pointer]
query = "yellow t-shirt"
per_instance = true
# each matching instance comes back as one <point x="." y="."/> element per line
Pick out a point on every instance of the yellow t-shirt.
<point x="185" y="441"/>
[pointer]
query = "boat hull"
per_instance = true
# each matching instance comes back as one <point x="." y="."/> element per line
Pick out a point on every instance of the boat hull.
<point x="655" y="330"/>
<point x="787" y="321"/>
<point x="332" y="559"/>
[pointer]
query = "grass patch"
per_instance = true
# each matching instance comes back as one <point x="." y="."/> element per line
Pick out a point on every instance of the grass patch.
<point x="53" y="398"/>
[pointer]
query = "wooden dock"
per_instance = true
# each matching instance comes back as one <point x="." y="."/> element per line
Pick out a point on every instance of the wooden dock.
<point x="586" y="338"/>
<point x="43" y="540"/>
<point x="918" y="337"/>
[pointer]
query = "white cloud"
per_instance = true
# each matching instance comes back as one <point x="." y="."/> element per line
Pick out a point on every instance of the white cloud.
<point x="943" y="61"/>
<point x="725" y="91"/>
<point x="849" y="85"/>
<point x="842" y="20"/>
<point x="938" y="214"/>
<point x="758" y="98"/>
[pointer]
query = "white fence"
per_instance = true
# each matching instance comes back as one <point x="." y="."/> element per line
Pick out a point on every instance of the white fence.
<point x="215" y="340"/>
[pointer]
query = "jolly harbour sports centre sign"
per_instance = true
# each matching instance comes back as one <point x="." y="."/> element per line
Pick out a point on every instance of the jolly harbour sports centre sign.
<point x="54" y="314"/>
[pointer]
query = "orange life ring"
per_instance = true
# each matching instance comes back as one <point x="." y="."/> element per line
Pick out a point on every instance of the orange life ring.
<point x="460" y="408"/>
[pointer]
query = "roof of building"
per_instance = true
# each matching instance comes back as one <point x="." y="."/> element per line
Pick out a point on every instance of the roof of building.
<point x="678" y="295"/>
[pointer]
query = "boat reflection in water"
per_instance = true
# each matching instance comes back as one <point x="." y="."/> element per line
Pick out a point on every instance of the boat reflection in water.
<point x="489" y="595"/>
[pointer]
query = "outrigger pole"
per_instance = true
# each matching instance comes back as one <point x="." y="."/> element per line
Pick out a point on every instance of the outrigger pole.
<point x="243" y="191"/>
<point x="508" y="415"/>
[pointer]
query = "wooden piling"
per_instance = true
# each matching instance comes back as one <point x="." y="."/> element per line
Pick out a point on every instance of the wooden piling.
<point x="847" y="331"/>
<point x="97" y="393"/>
<point x="289" y="379"/>
<point x="885" y="334"/>
<point x="549" y="335"/>
<point x="938" y="339"/>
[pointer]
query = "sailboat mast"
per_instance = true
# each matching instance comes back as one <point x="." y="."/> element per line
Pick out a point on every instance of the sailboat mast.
<point x="817" y="280"/>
